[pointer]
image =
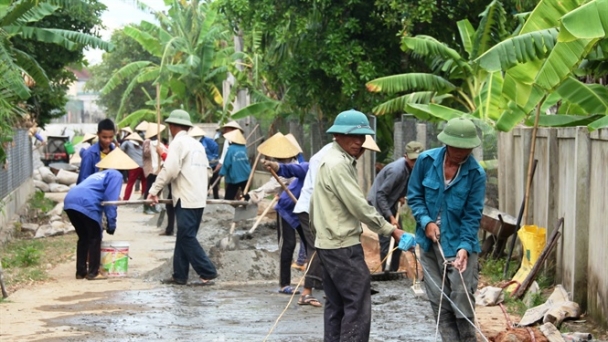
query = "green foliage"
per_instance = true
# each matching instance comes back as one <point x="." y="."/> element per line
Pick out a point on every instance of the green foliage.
<point x="543" y="57"/>
<point x="191" y="49"/>
<point x="40" y="203"/>
<point x="25" y="255"/>
<point x="72" y="26"/>
<point x="125" y="52"/>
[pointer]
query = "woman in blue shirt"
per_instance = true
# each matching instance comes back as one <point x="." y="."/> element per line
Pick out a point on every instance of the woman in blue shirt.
<point x="236" y="168"/>
<point x="83" y="206"/>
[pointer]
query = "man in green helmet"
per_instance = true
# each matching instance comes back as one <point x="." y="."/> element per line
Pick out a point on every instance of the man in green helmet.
<point x="446" y="194"/>
<point x="186" y="162"/>
<point x="338" y="208"/>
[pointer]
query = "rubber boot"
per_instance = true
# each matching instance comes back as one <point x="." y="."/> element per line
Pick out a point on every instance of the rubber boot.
<point x="467" y="331"/>
<point x="449" y="332"/>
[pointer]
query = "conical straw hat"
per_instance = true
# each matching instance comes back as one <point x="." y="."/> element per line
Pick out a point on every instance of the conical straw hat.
<point x="142" y="126"/>
<point x="117" y="160"/>
<point x="294" y="142"/>
<point x="127" y="129"/>
<point x="135" y="137"/>
<point x="196" y="132"/>
<point x="152" y="130"/>
<point x="88" y="136"/>
<point x="233" y="124"/>
<point x="278" y="146"/>
<point x="370" y="144"/>
<point x="236" y="137"/>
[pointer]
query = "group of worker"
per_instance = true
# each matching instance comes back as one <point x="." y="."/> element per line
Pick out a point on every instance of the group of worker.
<point x="444" y="188"/>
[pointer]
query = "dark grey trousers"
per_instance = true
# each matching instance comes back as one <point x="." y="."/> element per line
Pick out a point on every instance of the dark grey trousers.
<point x="314" y="277"/>
<point x="451" y="325"/>
<point x="346" y="281"/>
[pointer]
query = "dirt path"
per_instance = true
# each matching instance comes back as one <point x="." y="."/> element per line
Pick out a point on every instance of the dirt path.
<point x="242" y="306"/>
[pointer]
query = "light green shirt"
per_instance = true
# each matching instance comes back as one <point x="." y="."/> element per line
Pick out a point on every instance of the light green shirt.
<point x="338" y="205"/>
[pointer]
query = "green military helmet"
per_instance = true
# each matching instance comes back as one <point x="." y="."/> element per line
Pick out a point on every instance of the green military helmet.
<point x="460" y="133"/>
<point x="179" y="117"/>
<point x="351" y="122"/>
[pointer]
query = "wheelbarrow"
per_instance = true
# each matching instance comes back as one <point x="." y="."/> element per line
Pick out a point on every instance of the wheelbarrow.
<point x="500" y="226"/>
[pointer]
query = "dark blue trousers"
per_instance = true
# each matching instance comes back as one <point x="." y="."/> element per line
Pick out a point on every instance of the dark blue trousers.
<point x="188" y="251"/>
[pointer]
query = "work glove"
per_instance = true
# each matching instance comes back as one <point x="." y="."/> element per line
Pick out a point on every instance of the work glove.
<point x="271" y="165"/>
<point x="104" y="222"/>
<point x="111" y="230"/>
<point x="407" y="242"/>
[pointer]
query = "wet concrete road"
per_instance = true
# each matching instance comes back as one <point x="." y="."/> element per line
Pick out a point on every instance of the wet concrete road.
<point x="232" y="313"/>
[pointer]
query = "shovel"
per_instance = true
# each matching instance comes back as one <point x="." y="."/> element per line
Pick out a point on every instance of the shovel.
<point x="249" y="234"/>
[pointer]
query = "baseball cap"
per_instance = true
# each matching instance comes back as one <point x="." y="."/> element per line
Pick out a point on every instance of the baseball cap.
<point x="413" y="149"/>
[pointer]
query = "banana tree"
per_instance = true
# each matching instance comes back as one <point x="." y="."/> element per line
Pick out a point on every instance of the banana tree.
<point x="457" y="86"/>
<point x="16" y="20"/>
<point x="542" y="59"/>
<point x="193" y="50"/>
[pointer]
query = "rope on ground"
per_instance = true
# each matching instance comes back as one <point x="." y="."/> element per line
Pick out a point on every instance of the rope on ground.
<point x="291" y="298"/>
<point x="450" y="300"/>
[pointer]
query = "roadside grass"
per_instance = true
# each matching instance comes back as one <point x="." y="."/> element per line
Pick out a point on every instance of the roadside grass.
<point x="26" y="262"/>
<point x="491" y="275"/>
<point x="408" y="223"/>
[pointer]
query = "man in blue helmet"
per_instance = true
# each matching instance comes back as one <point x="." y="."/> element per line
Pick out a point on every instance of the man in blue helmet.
<point x="338" y="208"/>
<point x="446" y="193"/>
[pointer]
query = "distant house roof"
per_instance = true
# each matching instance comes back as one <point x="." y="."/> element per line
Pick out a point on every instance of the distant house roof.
<point x="81" y="75"/>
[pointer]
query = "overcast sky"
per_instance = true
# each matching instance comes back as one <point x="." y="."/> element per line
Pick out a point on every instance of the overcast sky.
<point x="119" y="14"/>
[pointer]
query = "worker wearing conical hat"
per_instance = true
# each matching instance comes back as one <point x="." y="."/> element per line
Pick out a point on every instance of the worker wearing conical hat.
<point x="133" y="147"/>
<point x="285" y="152"/>
<point x="227" y="128"/>
<point x="235" y="169"/>
<point x="83" y="206"/>
<point x="152" y="159"/>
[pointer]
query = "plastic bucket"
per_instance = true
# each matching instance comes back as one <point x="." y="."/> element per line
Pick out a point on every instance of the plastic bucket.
<point x="115" y="258"/>
<point x="69" y="148"/>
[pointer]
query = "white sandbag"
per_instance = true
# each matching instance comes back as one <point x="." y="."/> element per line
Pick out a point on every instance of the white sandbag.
<point x="47" y="175"/>
<point x="57" y="210"/>
<point x="66" y="177"/>
<point x="55" y="187"/>
<point x="36" y="175"/>
<point x="42" y="186"/>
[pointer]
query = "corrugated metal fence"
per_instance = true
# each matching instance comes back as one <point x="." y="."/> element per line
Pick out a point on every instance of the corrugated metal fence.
<point x="19" y="166"/>
<point x="571" y="181"/>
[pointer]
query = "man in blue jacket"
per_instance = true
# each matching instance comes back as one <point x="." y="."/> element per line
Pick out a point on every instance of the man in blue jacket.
<point x="92" y="155"/>
<point x="446" y="194"/>
<point x="83" y="206"/>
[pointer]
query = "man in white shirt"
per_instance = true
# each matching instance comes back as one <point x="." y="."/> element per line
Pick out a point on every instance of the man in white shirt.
<point x="186" y="162"/>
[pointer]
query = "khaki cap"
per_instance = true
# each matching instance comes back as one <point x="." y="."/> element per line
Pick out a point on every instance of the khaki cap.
<point x="413" y="149"/>
<point x="196" y="132"/>
<point x="294" y="142"/>
<point x="134" y="137"/>
<point x="142" y="126"/>
<point x="278" y="146"/>
<point x="233" y="124"/>
<point x="152" y="130"/>
<point x="235" y="137"/>
<point x="370" y="144"/>
<point x="117" y="160"/>
<point x="88" y="137"/>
